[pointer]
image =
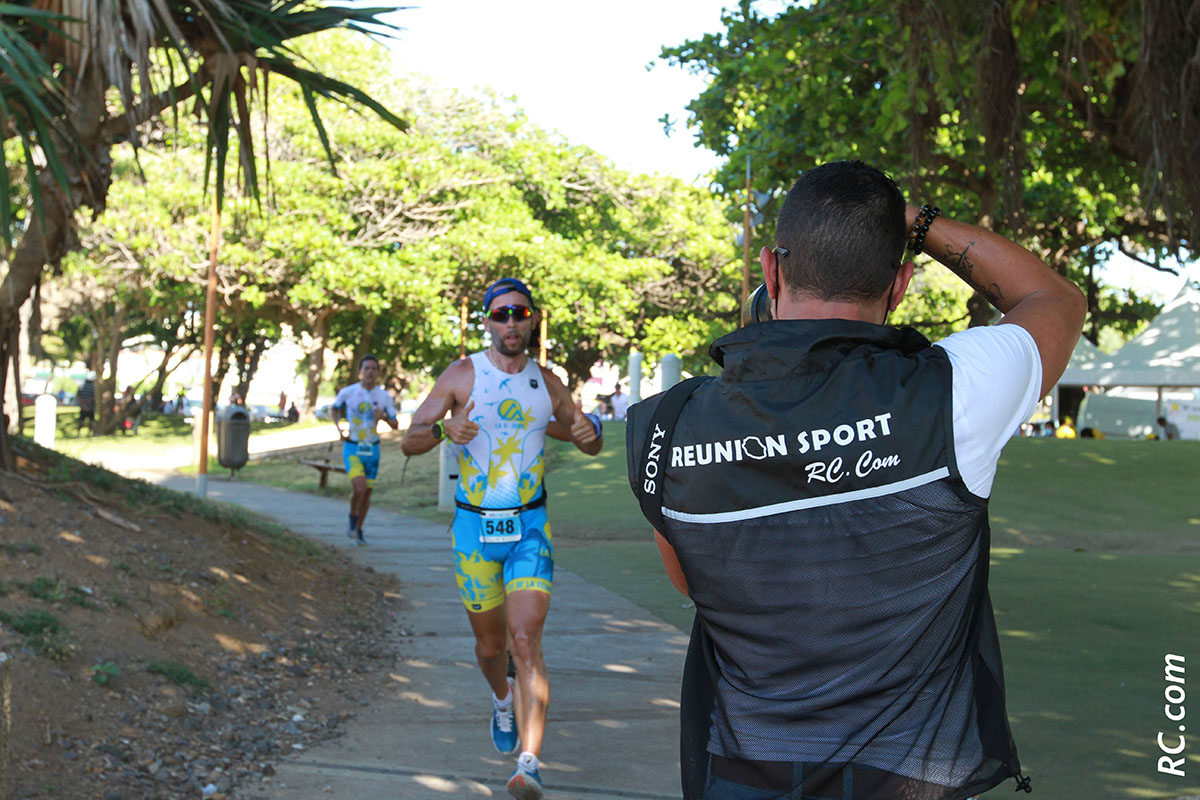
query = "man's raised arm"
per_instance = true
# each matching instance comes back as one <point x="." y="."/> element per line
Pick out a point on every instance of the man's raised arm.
<point x="583" y="430"/>
<point x="451" y="386"/>
<point x="1015" y="281"/>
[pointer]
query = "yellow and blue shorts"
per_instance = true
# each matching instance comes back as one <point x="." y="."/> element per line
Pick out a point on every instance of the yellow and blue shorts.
<point x="359" y="462"/>
<point x="486" y="572"/>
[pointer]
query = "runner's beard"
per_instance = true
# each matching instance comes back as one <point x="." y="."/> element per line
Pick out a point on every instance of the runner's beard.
<point x="518" y="346"/>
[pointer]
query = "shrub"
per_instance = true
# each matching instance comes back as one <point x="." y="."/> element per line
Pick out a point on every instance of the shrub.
<point x="106" y="673"/>
<point x="43" y="633"/>
<point x="43" y="588"/>
<point x="34" y="622"/>
<point x="177" y="674"/>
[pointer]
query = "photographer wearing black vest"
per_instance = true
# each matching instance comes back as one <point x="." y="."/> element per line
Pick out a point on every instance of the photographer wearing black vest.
<point x="824" y="504"/>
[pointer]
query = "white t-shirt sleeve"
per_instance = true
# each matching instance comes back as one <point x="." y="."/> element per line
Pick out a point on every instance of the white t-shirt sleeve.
<point x="997" y="382"/>
<point x="340" y="400"/>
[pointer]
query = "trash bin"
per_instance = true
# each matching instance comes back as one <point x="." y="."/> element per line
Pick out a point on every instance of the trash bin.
<point x="233" y="437"/>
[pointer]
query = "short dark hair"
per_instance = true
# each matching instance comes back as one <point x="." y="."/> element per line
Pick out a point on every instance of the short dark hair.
<point x="842" y="224"/>
<point x="366" y="358"/>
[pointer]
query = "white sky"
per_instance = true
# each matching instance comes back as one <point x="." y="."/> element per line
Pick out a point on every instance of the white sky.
<point x="576" y="68"/>
<point x="580" y="69"/>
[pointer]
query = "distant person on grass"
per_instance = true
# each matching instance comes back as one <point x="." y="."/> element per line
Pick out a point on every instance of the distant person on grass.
<point x="500" y="404"/>
<point x="87" y="404"/>
<point x="363" y="405"/>
<point x="1170" y="431"/>
<point x="824" y="503"/>
<point x="619" y="402"/>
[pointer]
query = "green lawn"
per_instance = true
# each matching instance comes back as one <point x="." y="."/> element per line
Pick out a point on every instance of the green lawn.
<point x="408" y="486"/>
<point x="156" y="433"/>
<point x="1098" y="494"/>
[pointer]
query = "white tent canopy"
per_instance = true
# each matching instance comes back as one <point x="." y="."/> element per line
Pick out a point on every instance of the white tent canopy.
<point x="1165" y="354"/>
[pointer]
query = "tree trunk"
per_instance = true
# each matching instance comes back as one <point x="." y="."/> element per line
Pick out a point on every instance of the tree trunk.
<point x="1093" y="297"/>
<point x="15" y="355"/>
<point x="164" y="371"/>
<point x="316" y="362"/>
<point x="33" y="329"/>
<point x="111" y="338"/>
<point x="6" y="456"/>
<point x="248" y="365"/>
<point x="364" y="340"/>
<point x="51" y="234"/>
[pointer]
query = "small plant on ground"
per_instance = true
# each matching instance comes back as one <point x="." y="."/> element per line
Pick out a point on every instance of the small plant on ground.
<point x="43" y="588"/>
<point x="14" y="549"/>
<point x="33" y="622"/>
<point x="220" y="602"/>
<point x="43" y="633"/>
<point x="106" y="673"/>
<point x="177" y="674"/>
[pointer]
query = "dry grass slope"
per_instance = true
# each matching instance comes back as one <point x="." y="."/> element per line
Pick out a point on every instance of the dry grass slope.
<point x="160" y="644"/>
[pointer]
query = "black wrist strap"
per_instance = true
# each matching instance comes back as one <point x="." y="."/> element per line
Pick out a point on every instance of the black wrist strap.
<point x="657" y="446"/>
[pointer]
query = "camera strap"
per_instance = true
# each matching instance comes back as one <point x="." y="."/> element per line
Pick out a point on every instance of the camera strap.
<point x="657" y="443"/>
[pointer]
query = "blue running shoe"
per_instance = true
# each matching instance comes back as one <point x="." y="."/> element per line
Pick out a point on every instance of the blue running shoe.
<point x="525" y="784"/>
<point x="504" y="725"/>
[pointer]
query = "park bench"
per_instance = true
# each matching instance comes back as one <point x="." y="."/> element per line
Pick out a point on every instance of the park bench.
<point x="324" y="466"/>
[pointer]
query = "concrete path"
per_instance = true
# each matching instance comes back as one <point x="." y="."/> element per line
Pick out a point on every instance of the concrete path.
<point x="613" y="729"/>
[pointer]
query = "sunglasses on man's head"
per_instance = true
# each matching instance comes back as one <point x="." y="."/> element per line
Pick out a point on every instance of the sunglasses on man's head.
<point x="505" y="313"/>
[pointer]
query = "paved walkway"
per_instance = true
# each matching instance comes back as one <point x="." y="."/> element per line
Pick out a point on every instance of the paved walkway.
<point x="613" y="729"/>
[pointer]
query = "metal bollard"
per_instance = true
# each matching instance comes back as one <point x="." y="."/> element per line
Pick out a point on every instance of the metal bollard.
<point x="45" y="419"/>
<point x="635" y="377"/>
<point x="670" y="371"/>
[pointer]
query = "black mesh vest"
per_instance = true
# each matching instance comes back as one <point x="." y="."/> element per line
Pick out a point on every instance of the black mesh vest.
<point x="844" y="644"/>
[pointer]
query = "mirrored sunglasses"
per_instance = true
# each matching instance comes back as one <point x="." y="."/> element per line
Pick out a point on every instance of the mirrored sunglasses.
<point x="505" y="313"/>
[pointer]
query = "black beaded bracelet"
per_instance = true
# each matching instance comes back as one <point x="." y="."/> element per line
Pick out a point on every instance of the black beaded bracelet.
<point x="916" y="234"/>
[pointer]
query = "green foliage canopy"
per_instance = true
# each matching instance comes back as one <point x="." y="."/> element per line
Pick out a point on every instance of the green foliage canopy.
<point x="1023" y="117"/>
<point x="379" y="257"/>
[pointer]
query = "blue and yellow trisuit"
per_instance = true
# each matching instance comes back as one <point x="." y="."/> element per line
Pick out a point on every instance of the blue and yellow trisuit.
<point x="500" y="533"/>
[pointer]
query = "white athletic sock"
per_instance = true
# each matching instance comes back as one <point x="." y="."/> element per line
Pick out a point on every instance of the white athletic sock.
<point x="506" y="702"/>
<point x="528" y="760"/>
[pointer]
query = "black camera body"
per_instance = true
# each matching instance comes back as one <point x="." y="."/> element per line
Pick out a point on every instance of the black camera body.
<point x="757" y="307"/>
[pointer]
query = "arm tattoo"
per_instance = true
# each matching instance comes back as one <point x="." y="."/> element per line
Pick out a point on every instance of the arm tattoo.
<point x="962" y="266"/>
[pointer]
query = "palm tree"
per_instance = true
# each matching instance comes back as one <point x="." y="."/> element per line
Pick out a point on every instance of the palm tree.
<point x="78" y="76"/>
